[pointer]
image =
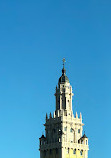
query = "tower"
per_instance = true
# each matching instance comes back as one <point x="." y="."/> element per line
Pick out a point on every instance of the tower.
<point x="63" y="131"/>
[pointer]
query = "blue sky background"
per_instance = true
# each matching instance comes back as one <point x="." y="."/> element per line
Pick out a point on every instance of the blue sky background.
<point x="34" y="37"/>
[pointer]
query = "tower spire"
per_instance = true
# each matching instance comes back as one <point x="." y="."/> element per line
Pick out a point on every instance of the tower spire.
<point x="63" y="62"/>
<point x="63" y="132"/>
<point x="63" y="70"/>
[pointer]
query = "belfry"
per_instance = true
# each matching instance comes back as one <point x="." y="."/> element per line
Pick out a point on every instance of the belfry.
<point x="63" y="131"/>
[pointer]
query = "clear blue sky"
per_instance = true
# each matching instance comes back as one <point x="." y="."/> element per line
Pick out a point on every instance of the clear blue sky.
<point x="34" y="37"/>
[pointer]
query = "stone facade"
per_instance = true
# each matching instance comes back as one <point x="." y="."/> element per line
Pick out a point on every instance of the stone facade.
<point x="63" y="132"/>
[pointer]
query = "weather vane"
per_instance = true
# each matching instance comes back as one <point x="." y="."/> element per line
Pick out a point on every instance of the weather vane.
<point x="64" y="61"/>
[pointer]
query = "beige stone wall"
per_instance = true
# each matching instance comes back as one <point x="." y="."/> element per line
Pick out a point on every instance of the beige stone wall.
<point x="63" y="130"/>
<point x="64" y="153"/>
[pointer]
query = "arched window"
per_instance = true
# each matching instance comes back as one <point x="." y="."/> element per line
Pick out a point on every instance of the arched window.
<point x="78" y="130"/>
<point x="54" y="130"/>
<point x="44" y="152"/>
<point x="71" y="130"/>
<point x="74" y="151"/>
<point x="56" y="151"/>
<point x="81" y="152"/>
<point x="67" y="151"/>
<point x="65" y="128"/>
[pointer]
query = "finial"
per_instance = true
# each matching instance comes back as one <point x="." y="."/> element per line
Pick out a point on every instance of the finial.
<point x="80" y="115"/>
<point x="46" y="117"/>
<point x="76" y="115"/>
<point x="50" y="115"/>
<point x="63" y="62"/>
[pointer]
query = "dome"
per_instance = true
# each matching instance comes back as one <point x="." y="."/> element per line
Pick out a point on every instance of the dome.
<point x="42" y="136"/>
<point x="84" y="136"/>
<point x="63" y="78"/>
